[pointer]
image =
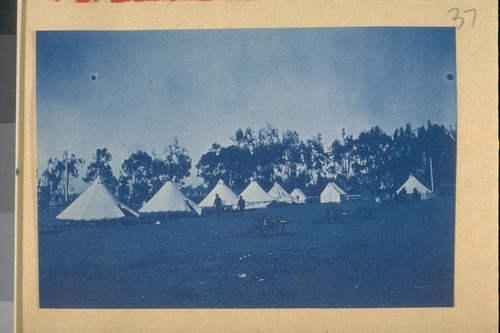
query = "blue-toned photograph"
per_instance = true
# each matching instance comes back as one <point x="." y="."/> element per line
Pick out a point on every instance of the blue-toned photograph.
<point x="246" y="168"/>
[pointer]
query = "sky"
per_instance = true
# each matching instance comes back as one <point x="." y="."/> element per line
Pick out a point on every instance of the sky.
<point x="129" y="90"/>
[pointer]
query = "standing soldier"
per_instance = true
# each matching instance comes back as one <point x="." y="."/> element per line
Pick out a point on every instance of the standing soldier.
<point x="218" y="204"/>
<point x="241" y="205"/>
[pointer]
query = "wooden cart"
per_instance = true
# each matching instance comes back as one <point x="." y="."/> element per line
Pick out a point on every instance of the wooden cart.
<point x="267" y="224"/>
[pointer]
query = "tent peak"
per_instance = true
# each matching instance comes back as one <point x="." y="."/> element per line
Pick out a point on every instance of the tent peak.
<point x="96" y="203"/>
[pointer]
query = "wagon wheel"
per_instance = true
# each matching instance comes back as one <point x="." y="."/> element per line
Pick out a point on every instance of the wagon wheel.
<point x="262" y="224"/>
<point x="274" y="227"/>
<point x="280" y="226"/>
<point x="258" y="222"/>
<point x="271" y="226"/>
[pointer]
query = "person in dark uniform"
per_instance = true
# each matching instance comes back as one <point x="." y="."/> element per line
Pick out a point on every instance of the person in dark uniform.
<point x="403" y="194"/>
<point x="218" y="204"/>
<point x="241" y="205"/>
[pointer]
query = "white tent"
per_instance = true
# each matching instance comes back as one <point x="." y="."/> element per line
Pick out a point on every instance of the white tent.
<point x="279" y="194"/>
<point x="255" y="196"/>
<point x="228" y="197"/>
<point x="332" y="193"/>
<point x="96" y="203"/>
<point x="413" y="183"/>
<point x="170" y="199"/>
<point x="298" y="196"/>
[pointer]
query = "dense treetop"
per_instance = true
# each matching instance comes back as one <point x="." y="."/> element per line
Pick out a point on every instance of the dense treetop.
<point x="374" y="161"/>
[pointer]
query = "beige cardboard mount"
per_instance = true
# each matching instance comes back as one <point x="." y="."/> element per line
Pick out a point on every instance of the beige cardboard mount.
<point x="476" y="276"/>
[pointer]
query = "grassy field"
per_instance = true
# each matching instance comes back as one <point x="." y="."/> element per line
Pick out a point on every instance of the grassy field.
<point x="401" y="258"/>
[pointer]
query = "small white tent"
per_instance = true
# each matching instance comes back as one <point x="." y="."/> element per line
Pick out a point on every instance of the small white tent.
<point x="332" y="193"/>
<point x="170" y="199"/>
<point x="279" y="194"/>
<point x="96" y="203"/>
<point x="411" y="184"/>
<point x="298" y="196"/>
<point x="255" y="196"/>
<point x="228" y="197"/>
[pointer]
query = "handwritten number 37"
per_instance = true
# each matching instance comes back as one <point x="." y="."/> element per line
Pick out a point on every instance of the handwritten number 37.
<point x="460" y="18"/>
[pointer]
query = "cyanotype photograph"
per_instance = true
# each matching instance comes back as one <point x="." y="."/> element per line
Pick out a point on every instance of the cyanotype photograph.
<point x="246" y="168"/>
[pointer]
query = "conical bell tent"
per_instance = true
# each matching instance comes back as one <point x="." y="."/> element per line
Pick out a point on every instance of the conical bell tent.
<point x="169" y="199"/>
<point x="95" y="204"/>
<point x="414" y="184"/>
<point x="255" y="196"/>
<point x="279" y="194"/>
<point x="229" y="198"/>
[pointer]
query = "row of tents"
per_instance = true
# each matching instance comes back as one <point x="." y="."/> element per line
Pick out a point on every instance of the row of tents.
<point x="254" y="196"/>
<point x="97" y="203"/>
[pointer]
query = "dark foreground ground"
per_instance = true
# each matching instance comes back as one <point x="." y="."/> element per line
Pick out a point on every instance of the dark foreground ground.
<point x="401" y="258"/>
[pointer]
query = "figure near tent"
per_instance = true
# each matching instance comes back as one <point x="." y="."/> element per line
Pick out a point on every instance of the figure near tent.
<point x="218" y="204"/>
<point x="241" y="205"/>
<point x="403" y="193"/>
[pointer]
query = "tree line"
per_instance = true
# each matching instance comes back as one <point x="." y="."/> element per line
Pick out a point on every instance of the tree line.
<point x="141" y="175"/>
<point x="374" y="161"/>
